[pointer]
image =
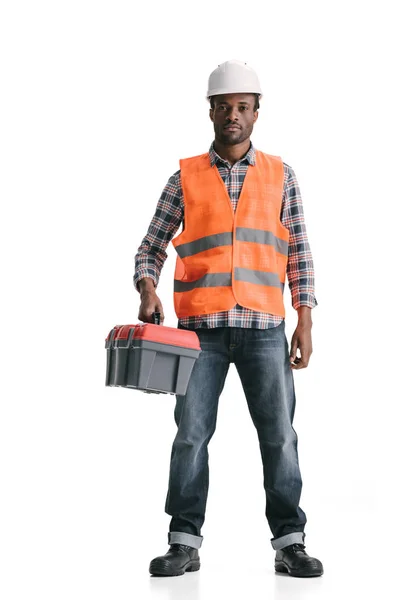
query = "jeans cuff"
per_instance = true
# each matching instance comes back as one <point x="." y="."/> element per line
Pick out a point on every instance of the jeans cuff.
<point x="296" y="537"/>
<point x="180" y="537"/>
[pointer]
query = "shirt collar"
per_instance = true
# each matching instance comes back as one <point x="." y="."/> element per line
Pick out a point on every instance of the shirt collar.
<point x="250" y="157"/>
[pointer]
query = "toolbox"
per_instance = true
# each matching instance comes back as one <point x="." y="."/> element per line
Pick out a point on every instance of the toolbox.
<point x="151" y="357"/>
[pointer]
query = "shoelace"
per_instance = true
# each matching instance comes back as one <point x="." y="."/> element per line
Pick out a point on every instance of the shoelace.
<point x="298" y="547"/>
<point x="181" y="547"/>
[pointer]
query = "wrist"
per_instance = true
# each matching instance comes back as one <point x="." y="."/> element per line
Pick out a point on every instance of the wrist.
<point x="146" y="286"/>
<point x="304" y="315"/>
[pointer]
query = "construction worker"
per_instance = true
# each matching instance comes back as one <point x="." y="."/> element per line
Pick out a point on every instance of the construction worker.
<point x="243" y="231"/>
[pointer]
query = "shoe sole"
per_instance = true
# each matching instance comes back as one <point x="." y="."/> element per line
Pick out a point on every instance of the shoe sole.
<point x="164" y="569"/>
<point x="281" y="567"/>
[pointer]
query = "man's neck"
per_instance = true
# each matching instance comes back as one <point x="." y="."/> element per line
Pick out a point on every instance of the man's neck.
<point x="232" y="153"/>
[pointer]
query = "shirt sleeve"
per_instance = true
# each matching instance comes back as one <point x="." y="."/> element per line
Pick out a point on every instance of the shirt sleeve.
<point x="300" y="267"/>
<point x="151" y="254"/>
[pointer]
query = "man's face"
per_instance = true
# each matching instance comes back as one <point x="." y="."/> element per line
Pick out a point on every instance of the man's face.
<point x="233" y="117"/>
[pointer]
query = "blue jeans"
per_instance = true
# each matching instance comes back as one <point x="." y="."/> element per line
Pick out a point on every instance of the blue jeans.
<point x="261" y="357"/>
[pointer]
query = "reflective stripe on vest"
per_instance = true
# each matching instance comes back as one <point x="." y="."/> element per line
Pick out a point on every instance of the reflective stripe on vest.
<point x="223" y="279"/>
<point x="204" y="243"/>
<point x="244" y="234"/>
<point x="225" y="258"/>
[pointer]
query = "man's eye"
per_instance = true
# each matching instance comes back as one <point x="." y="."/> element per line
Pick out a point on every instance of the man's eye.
<point x="244" y="107"/>
<point x="221" y="107"/>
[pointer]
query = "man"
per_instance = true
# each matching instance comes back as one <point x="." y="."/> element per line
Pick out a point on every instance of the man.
<point x="243" y="231"/>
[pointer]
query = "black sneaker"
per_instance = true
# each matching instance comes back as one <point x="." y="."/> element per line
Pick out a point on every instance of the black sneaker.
<point x="294" y="560"/>
<point x="176" y="561"/>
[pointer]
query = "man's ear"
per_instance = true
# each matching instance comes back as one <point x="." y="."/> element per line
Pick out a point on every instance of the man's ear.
<point x="211" y="113"/>
<point x="255" y="116"/>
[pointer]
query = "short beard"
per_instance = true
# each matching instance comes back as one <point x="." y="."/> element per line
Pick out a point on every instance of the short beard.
<point x="232" y="141"/>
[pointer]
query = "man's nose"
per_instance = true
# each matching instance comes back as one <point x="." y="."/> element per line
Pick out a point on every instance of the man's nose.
<point x="232" y="115"/>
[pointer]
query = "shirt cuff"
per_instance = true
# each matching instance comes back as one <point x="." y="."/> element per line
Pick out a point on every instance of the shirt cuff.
<point x="141" y="274"/>
<point x="304" y="299"/>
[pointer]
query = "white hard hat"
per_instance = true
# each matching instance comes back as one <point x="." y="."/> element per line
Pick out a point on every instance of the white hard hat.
<point x="233" y="77"/>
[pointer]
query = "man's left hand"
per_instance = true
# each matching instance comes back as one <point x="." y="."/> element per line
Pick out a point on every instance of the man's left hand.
<point x="301" y="340"/>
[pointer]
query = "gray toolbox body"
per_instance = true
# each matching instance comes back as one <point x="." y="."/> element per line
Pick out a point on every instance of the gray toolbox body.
<point x="151" y="358"/>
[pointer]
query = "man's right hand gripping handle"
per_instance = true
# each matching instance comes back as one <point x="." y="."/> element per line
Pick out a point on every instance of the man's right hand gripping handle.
<point x="150" y="302"/>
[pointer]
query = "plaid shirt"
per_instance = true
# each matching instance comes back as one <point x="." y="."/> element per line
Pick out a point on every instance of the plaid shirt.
<point x="169" y="215"/>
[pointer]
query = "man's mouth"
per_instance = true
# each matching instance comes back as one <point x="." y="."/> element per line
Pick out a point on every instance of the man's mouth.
<point x="231" y="127"/>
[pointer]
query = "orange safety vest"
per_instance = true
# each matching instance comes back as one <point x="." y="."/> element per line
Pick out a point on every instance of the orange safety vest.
<point x="227" y="257"/>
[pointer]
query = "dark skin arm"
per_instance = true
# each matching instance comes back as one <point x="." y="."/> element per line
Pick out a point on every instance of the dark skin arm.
<point x="301" y="339"/>
<point x="149" y="301"/>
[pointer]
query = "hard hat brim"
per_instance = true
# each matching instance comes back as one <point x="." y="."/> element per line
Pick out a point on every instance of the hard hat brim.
<point x="222" y="91"/>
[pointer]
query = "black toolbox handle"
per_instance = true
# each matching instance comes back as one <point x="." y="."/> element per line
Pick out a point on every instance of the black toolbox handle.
<point x="156" y="318"/>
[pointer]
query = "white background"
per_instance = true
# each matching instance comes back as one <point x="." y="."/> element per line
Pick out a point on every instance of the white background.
<point x="99" y="101"/>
